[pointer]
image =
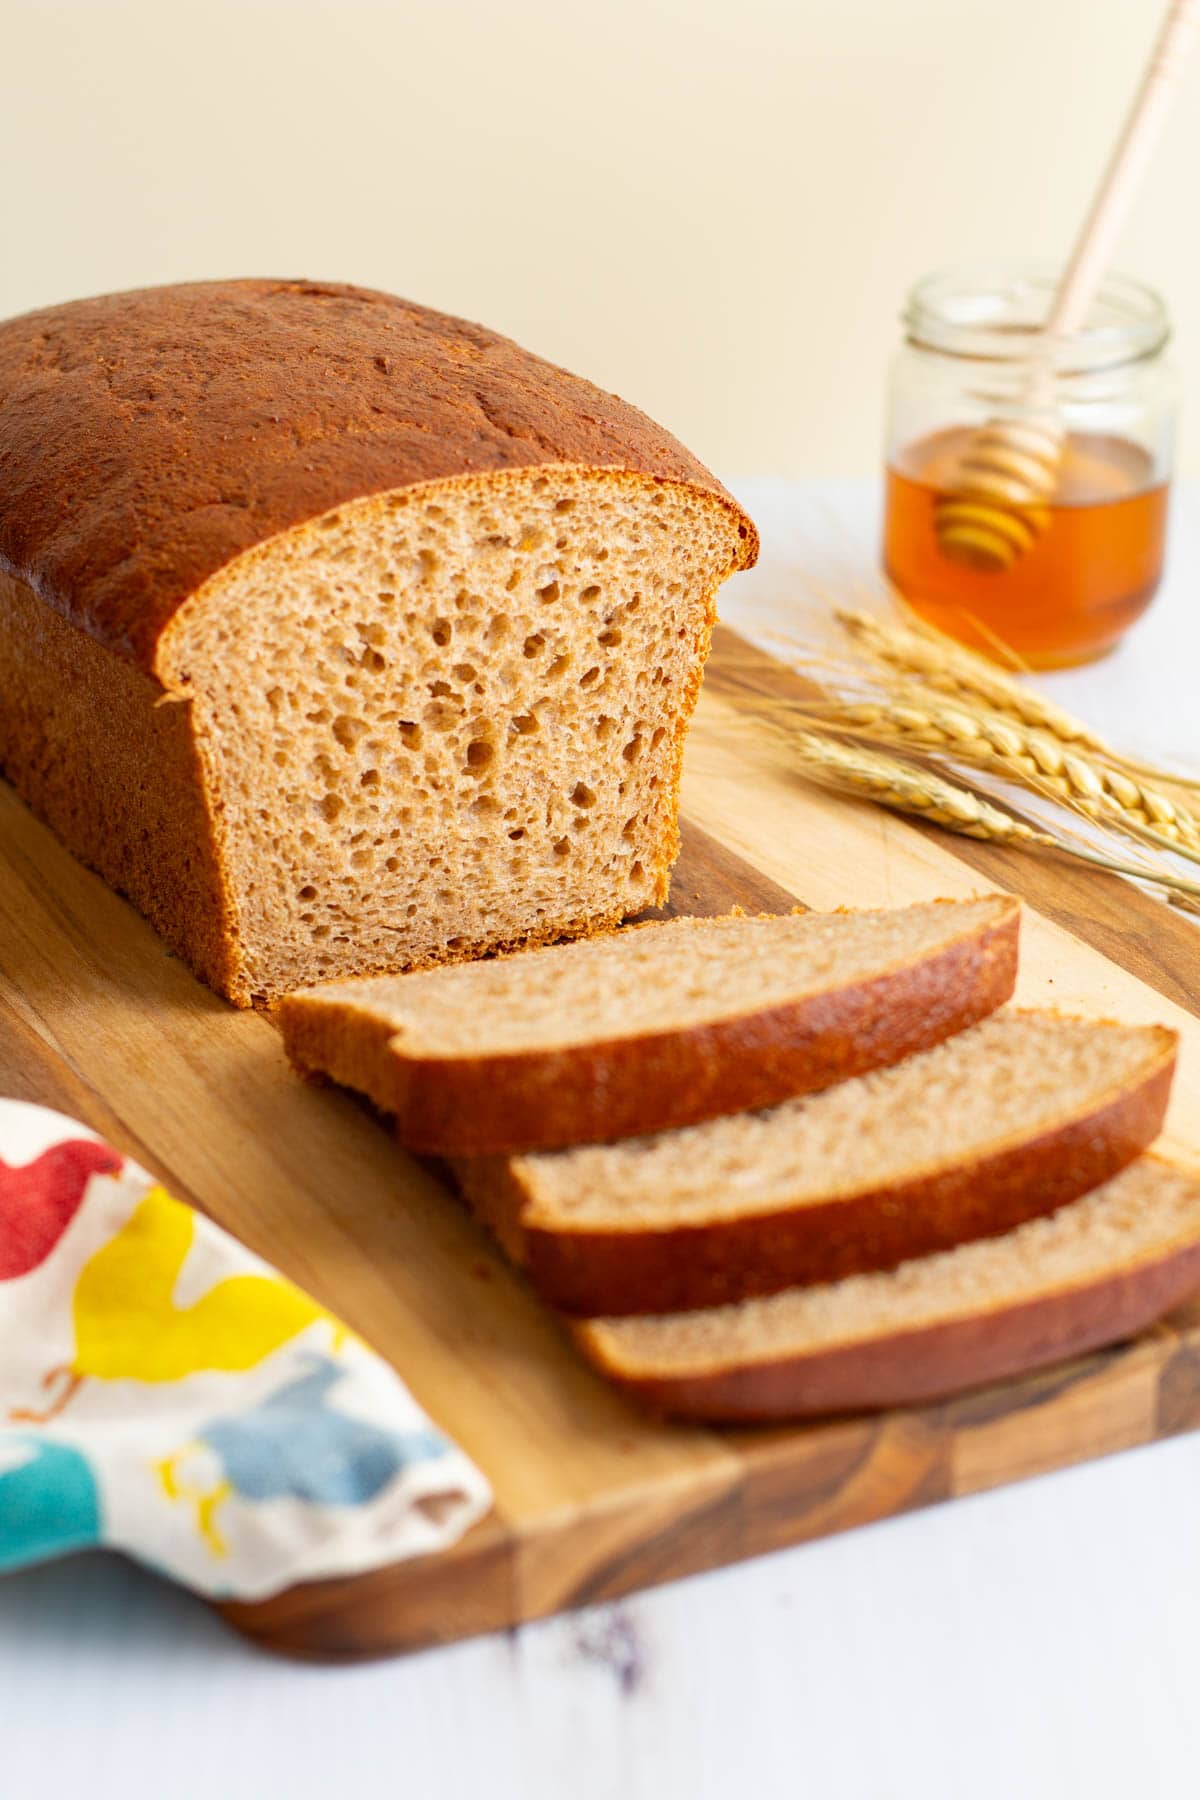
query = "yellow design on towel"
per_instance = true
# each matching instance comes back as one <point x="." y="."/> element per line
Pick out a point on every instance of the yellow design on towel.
<point x="127" y="1326"/>
<point x="205" y="1500"/>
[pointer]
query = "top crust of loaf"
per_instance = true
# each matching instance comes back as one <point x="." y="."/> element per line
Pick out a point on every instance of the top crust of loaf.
<point x="149" y="438"/>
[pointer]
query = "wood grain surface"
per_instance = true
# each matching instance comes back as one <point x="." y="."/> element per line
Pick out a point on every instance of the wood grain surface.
<point x="593" y="1499"/>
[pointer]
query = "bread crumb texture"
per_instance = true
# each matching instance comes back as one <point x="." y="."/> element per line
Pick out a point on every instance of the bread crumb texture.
<point x="1004" y="1080"/>
<point x="448" y="720"/>
<point x="1150" y="1210"/>
<point x="667" y="977"/>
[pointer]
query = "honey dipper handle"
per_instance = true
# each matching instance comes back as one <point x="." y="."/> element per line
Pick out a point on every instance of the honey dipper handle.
<point x="1127" y="164"/>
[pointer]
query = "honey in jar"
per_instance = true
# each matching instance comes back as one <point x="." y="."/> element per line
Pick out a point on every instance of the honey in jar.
<point x="1091" y="568"/>
<point x="1090" y="571"/>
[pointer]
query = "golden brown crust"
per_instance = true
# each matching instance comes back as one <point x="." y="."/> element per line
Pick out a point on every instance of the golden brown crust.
<point x="148" y="438"/>
<point x="631" y="1086"/>
<point x="89" y="745"/>
<point x="904" y="1368"/>
<point x="677" y="1269"/>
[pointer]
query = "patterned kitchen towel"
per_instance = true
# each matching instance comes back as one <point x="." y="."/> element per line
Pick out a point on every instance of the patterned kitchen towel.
<point x="165" y="1393"/>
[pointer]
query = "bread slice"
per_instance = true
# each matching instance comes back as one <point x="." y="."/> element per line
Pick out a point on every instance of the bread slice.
<point x="654" y="1027"/>
<point x="340" y="635"/>
<point x="1093" y="1273"/>
<point x="1015" y="1117"/>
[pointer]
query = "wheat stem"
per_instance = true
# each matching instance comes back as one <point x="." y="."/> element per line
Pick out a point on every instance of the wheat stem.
<point x="903" y="787"/>
<point x="1019" y="753"/>
<point x="951" y="668"/>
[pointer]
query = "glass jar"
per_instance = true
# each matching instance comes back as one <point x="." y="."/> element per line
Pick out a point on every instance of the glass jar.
<point x="1077" y="559"/>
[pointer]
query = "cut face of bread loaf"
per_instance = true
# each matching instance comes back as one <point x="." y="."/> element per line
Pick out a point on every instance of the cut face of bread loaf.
<point x="366" y="640"/>
<point x="654" y="1027"/>
<point x="1093" y="1273"/>
<point x="1013" y="1118"/>
<point x="452" y="720"/>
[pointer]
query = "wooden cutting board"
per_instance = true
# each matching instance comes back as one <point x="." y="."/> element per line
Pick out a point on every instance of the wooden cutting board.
<point x="592" y="1498"/>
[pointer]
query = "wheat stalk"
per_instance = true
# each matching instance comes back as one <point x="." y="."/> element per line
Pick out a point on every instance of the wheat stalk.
<point x="907" y="788"/>
<point x="951" y="668"/>
<point x="1019" y="753"/>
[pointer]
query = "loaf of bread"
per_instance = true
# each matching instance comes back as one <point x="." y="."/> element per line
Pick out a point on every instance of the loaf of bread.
<point x="340" y="635"/>
<point x="1015" y="1117"/>
<point x="1092" y="1274"/>
<point x="658" y="1026"/>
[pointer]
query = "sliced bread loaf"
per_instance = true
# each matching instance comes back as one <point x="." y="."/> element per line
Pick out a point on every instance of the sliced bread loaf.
<point x="1013" y="1118"/>
<point x="341" y="635"/>
<point x="1098" y="1270"/>
<point x="654" y="1027"/>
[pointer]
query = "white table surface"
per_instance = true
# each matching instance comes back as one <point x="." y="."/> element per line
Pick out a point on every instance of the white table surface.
<point x="1037" y="1643"/>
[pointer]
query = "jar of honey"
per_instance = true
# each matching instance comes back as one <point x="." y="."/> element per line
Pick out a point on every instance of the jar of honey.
<point x="1083" y="563"/>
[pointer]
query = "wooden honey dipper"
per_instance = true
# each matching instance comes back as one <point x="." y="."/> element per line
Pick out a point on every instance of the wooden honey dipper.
<point x="1009" y="470"/>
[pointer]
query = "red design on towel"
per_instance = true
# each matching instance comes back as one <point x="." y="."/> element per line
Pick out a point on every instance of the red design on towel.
<point x="38" y="1200"/>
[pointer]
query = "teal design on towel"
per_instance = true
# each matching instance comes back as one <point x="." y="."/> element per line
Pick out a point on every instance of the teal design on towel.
<point x="48" y="1500"/>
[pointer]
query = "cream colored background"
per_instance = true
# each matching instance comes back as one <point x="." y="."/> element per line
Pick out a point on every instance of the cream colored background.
<point x="711" y="206"/>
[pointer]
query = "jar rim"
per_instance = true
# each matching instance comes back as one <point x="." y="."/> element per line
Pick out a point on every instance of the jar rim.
<point x="992" y="311"/>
